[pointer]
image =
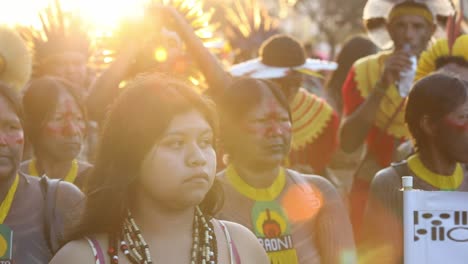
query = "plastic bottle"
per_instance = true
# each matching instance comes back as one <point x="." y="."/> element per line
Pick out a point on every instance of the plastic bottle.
<point x="407" y="183"/>
<point x="407" y="77"/>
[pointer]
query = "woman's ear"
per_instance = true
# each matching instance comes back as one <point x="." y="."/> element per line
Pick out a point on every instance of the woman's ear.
<point x="427" y="126"/>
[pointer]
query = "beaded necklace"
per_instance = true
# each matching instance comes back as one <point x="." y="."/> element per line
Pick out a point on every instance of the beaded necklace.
<point x="132" y="244"/>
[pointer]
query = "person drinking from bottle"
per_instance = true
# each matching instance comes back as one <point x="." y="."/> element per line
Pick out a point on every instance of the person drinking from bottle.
<point x="373" y="109"/>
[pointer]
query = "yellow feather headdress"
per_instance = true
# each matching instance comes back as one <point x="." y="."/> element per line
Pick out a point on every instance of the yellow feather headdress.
<point x="428" y="61"/>
<point x="247" y="25"/>
<point x="60" y="32"/>
<point x="15" y="59"/>
<point x="159" y="41"/>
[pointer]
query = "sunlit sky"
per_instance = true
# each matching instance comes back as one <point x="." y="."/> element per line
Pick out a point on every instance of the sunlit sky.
<point x="102" y="13"/>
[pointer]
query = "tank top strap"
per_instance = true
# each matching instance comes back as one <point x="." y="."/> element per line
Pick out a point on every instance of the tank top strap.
<point x="97" y="250"/>
<point x="233" y="252"/>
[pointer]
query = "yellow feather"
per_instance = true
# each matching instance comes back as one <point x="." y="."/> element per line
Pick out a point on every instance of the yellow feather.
<point x="427" y="60"/>
<point x="17" y="60"/>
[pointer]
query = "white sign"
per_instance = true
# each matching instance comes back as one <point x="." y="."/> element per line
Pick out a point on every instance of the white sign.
<point x="435" y="227"/>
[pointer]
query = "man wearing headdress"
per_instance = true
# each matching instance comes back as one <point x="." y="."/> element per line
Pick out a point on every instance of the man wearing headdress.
<point x="62" y="47"/>
<point x="315" y="123"/>
<point x="373" y="105"/>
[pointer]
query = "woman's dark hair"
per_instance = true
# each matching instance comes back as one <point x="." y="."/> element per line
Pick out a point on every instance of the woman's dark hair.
<point x="238" y="99"/>
<point x="434" y="96"/>
<point x="13" y="99"/>
<point x="459" y="60"/>
<point x="355" y="48"/>
<point x="40" y="101"/>
<point x="135" y="122"/>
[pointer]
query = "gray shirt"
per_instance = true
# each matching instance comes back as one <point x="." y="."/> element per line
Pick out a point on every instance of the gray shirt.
<point x="36" y="216"/>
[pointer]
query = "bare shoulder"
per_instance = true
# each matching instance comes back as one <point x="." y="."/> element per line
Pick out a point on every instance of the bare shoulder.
<point x="385" y="186"/>
<point x="75" y="252"/>
<point x="69" y="204"/>
<point x="323" y="185"/>
<point x="250" y="250"/>
<point x="69" y="194"/>
<point x="385" y="179"/>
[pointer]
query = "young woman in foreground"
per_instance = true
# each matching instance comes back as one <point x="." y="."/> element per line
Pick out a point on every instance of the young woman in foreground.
<point x="153" y="192"/>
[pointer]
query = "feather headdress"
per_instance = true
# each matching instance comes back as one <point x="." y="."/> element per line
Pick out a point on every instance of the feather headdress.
<point x="163" y="48"/>
<point x="450" y="49"/>
<point x="15" y="59"/>
<point x="60" y="32"/>
<point x="247" y="25"/>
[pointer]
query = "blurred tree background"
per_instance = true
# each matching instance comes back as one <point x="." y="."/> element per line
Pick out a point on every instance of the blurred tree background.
<point x="335" y="20"/>
<point x="325" y="22"/>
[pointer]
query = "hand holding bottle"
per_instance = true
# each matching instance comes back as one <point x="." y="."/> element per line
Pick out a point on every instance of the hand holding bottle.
<point x="399" y="61"/>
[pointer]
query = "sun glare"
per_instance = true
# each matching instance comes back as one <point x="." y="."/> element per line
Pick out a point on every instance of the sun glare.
<point x="14" y="12"/>
<point x="103" y="15"/>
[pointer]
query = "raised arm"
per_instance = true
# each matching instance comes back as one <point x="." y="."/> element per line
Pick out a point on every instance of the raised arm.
<point x="359" y="119"/>
<point x="105" y="88"/>
<point x="211" y="68"/>
<point x="357" y="123"/>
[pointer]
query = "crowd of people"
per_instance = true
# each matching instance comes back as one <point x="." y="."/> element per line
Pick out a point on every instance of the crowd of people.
<point x="137" y="164"/>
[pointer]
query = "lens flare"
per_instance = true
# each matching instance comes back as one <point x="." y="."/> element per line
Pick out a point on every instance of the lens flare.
<point x="160" y="54"/>
<point x="302" y="202"/>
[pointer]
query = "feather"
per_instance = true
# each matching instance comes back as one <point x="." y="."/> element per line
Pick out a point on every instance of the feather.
<point x="247" y="25"/>
<point x="60" y="32"/>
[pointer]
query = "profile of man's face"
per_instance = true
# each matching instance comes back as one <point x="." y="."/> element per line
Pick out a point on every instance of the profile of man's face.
<point x="411" y="29"/>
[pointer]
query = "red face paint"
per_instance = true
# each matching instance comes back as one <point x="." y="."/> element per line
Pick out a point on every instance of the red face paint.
<point x="19" y="140"/>
<point x="65" y="130"/>
<point x="461" y="127"/>
<point x="12" y="139"/>
<point x="69" y="123"/>
<point x="271" y="123"/>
